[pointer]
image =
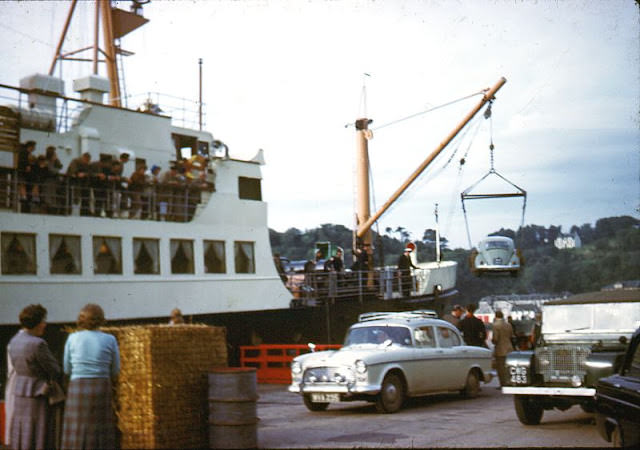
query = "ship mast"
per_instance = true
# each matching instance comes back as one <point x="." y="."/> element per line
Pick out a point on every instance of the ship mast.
<point x="362" y="161"/>
<point x="116" y="23"/>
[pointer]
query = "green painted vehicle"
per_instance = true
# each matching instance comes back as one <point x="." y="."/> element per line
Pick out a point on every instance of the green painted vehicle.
<point x="583" y="338"/>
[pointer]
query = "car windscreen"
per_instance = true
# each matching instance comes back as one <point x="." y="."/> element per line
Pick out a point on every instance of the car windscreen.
<point x="591" y="318"/>
<point x="497" y="245"/>
<point x="378" y="335"/>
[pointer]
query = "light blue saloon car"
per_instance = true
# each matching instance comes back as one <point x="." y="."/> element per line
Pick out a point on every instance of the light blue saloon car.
<point x="388" y="357"/>
<point x="496" y="254"/>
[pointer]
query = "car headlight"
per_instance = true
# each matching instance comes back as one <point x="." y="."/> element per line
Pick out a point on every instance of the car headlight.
<point x="576" y="381"/>
<point x="361" y="366"/>
<point x="296" y="368"/>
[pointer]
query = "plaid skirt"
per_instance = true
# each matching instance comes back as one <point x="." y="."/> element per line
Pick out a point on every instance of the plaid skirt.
<point x="31" y="425"/>
<point x="89" y="420"/>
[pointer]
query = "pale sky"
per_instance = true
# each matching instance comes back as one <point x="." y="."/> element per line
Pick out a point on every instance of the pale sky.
<point x="287" y="76"/>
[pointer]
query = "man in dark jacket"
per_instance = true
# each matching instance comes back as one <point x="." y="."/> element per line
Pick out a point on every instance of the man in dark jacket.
<point x="404" y="266"/>
<point x="473" y="329"/>
<point x="78" y="173"/>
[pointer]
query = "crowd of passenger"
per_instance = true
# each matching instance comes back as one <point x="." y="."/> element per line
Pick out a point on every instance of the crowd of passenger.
<point x="100" y="188"/>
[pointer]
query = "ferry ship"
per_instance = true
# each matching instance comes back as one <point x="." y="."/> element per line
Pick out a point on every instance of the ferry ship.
<point x="198" y="242"/>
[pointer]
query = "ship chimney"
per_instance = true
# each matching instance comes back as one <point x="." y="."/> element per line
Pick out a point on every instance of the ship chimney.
<point x="92" y="88"/>
<point x="40" y="85"/>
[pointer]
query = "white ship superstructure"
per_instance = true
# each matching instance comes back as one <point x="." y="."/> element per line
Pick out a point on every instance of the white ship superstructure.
<point x="216" y="259"/>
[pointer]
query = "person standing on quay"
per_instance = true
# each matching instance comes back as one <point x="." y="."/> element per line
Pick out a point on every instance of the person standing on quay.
<point x="454" y="316"/>
<point x="92" y="359"/>
<point x="31" y="422"/>
<point x="473" y="330"/>
<point x="502" y="334"/>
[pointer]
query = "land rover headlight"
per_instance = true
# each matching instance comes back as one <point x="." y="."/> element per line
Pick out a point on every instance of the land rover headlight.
<point x="296" y="368"/>
<point x="361" y="366"/>
<point x="576" y="381"/>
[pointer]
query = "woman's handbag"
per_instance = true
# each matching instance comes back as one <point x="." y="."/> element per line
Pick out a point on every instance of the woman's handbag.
<point x="53" y="391"/>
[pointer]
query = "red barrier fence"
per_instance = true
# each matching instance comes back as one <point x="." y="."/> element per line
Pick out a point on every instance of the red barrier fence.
<point x="2" y="428"/>
<point x="273" y="361"/>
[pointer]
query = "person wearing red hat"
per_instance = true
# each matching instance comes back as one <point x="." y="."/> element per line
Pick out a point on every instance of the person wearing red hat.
<point x="404" y="271"/>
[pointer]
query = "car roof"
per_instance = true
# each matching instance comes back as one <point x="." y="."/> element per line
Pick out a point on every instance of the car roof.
<point x="402" y="318"/>
<point x="604" y="296"/>
<point x="496" y="238"/>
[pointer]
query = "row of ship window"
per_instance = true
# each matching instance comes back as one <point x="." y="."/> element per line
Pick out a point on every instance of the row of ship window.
<point x="65" y="255"/>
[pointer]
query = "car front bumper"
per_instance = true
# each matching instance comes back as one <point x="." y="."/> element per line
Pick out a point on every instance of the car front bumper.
<point x="565" y="391"/>
<point x="368" y="389"/>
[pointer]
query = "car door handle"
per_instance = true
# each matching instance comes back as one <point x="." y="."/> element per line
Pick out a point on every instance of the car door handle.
<point x="439" y="351"/>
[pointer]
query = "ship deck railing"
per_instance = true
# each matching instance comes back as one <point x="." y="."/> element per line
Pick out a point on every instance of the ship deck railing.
<point x="319" y="287"/>
<point x="14" y="101"/>
<point x="64" y="196"/>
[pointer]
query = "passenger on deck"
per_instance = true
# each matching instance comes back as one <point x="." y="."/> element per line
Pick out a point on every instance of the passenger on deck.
<point x="116" y="187"/>
<point x="334" y="264"/>
<point x="25" y="175"/>
<point x="40" y="174"/>
<point x="169" y="180"/>
<point x="404" y="268"/>
<point x="78" y="172"/>
<point x="137" y="186"/>
<point x="151" y="191"/>
<point x="53" y="192"/>
<point x="99" y="176"/>
<point x="124" y="196"/>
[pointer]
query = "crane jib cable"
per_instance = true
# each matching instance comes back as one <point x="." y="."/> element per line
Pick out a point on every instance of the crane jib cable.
<point x="465" y="195"/>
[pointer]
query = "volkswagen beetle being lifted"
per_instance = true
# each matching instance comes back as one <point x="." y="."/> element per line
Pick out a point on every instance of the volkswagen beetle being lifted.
<point x="583" y="338"/>
<point x="388" y="357"/>
<point x="495" y="255"/>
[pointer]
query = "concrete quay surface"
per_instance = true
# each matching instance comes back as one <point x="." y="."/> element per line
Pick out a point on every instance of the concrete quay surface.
<point x="445" y="420"/>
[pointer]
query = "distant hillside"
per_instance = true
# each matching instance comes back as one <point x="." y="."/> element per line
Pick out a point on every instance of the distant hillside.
<point x="610" y="252"/>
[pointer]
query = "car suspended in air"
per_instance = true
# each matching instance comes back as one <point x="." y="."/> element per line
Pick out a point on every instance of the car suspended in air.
<point x="495" y="254"/>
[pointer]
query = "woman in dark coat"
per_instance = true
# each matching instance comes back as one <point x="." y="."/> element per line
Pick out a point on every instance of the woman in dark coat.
<point x="92" y="359"/>
<point x="32" y="419"/>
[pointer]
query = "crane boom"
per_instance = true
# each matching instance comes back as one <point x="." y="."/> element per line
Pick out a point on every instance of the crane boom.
<point x="365" y="226"/>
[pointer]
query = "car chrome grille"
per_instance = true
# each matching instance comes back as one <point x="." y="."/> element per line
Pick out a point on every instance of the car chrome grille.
<point x="326" y="375"/>
<point x="560" y="363"/>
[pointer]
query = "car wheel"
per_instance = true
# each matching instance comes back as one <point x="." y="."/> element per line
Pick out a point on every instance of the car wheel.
<point x="472" y="386"/>
<point x="616" y="438"/>
<point x="391" y="396"/>
<point x="588" y="407"/>
<point x="529" y="411"/>
<point x="313" y="406"/>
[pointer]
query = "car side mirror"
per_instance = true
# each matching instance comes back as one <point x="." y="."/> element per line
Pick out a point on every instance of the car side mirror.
<point x="312" y="346"/>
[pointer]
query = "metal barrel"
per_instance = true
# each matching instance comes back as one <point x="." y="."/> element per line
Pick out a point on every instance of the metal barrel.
<point x="233" y="416"/>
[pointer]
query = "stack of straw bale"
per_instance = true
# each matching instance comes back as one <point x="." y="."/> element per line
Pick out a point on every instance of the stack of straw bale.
<point x="162" y="390"/>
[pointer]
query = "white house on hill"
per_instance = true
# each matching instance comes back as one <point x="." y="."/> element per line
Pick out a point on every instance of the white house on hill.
<point x="568" y="241"/>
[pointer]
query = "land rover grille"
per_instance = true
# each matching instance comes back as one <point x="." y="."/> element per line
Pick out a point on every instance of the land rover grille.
<point x="340" y="375"/>
<point x="560" y="363"/>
